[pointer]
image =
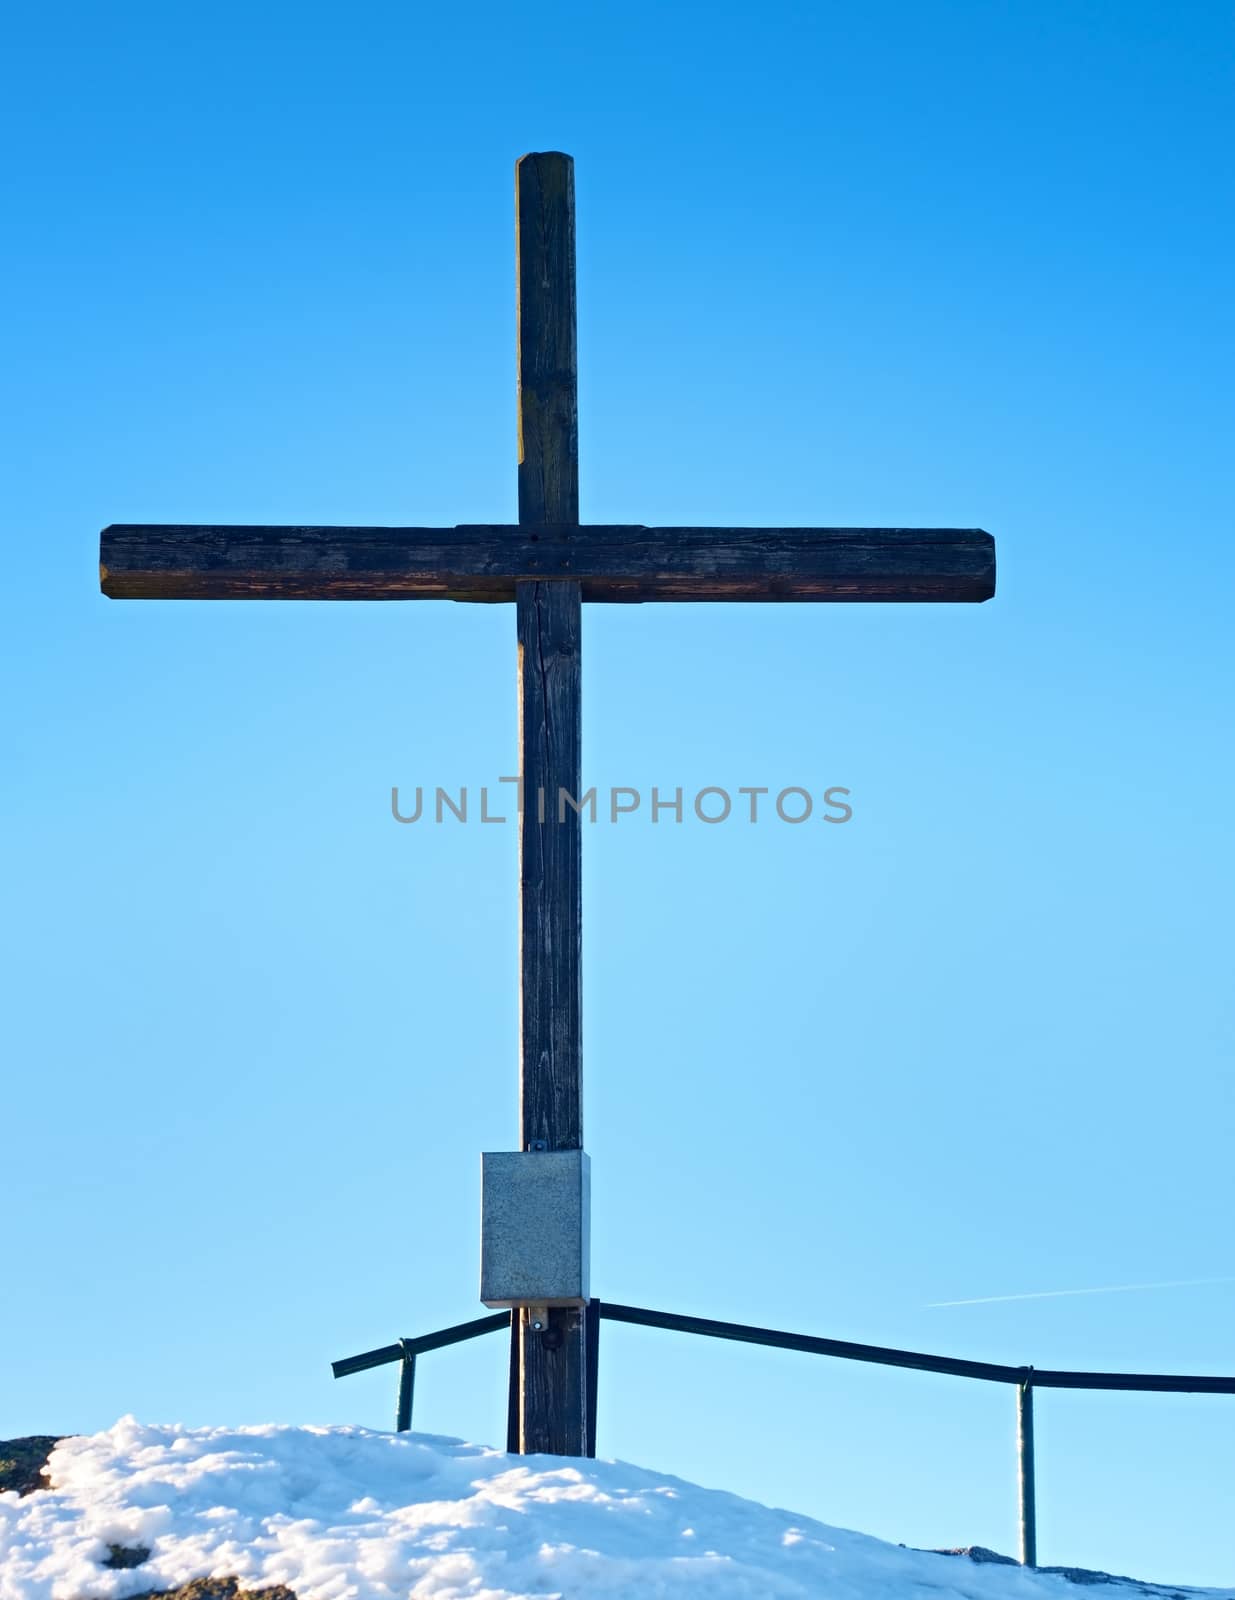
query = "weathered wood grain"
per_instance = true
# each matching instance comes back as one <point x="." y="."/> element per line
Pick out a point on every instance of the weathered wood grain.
<point x="547" y="352"/>
<point x="550" y="734"/>
<point x="484" y="562"/>
<point x="553" y="1387"/>
<point x="553" y="1363"/>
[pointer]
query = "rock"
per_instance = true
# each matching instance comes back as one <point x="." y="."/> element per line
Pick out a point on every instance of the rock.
<point x="217" y="1589"/>
<point x="122" y="1556"/>
<point x="22" y="1461"/>
<point x="979" y="1552"/>
<point x="1079" y="1575"/>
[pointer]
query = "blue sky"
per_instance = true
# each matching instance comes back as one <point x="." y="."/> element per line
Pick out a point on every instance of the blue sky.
<point x="949" y="264"/>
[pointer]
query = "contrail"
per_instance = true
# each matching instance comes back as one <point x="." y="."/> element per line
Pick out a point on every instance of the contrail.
<point x="1056" y="1294"/>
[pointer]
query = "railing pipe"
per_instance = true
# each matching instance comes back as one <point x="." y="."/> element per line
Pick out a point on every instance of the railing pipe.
<point x="1025" y="1379"/>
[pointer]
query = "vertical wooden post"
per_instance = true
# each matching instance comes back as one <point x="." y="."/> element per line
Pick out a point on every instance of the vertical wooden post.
<point x="552" y="1364"/>
<point x="547" y="350"/>
<point x="1024" y="1452"/>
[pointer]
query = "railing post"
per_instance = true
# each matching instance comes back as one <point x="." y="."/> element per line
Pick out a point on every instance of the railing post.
<point x="407" y="1385"/>
<point x="512" y="1392"/>
<point x="591" y="1354"/>
<point x="1024" y="1450"/>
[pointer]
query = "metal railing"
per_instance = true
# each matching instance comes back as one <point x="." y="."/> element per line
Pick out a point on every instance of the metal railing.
<point x="1024" y="1379"/>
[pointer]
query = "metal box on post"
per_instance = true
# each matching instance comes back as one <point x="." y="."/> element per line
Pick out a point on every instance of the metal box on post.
<point x="534" y="1228"/>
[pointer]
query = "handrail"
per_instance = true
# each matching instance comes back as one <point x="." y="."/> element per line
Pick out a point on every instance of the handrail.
<point x="744" y="1333"/>
<point x="882" y="1355"/>
<point x="1025" y="1378"/>
<point x="420" y="1345"/>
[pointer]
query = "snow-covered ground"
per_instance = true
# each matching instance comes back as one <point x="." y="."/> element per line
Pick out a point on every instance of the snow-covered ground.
<point x="337" y="1513"/>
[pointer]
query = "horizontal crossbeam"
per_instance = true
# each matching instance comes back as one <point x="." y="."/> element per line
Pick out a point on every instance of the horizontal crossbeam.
<point x="145" y="561"/>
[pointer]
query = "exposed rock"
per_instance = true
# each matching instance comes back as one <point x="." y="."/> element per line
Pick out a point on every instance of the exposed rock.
<point x="122" y="1556"/>
<point x="217" y="1589"/>
<point x="979" y="1552"/>
<point x="1078" y="1575"/>
<point x="22" y="1461"/>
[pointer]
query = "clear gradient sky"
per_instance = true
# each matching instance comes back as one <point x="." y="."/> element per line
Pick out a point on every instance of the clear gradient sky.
<point x="935" y="264"/>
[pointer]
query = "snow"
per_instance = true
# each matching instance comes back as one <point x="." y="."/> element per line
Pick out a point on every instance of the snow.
<point x="353" y="1514"/>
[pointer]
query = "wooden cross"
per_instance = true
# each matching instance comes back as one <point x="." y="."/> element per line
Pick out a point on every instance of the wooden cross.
<point x="548" y="564"/>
